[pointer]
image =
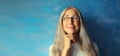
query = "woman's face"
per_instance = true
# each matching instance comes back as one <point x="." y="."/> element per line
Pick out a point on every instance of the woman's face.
<point x="71" y="21"/>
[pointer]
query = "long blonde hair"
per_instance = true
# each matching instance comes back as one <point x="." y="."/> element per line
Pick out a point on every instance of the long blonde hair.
<point x="84" y="41"/>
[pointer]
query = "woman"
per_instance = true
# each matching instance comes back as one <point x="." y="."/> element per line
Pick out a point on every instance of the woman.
<point x="71" y="37"/>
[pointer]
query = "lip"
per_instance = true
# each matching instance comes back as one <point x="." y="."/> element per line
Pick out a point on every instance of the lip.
<point x="70" y="27"/>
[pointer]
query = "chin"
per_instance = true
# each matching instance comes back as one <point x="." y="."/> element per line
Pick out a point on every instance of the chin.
<point x="70" y="32"/>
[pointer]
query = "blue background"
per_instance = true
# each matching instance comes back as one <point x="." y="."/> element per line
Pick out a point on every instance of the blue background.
<point x="27" y="27"/>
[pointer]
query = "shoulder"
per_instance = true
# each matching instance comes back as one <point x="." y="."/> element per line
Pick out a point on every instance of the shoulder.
<point x="95" y="45"/>
<point x="51" y="47"/>
<point x="50" y="50"/>
<point x="96" y="48"/>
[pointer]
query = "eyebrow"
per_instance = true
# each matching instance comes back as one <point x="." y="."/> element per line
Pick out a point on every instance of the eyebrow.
<point x="65" y="15"/>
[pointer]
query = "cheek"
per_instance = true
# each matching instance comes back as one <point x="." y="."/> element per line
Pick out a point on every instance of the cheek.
<point x="64" y="23"/>
<point x="77" y="25"/>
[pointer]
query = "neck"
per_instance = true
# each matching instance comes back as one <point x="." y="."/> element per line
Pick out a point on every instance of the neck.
<point x="75" y="38"/>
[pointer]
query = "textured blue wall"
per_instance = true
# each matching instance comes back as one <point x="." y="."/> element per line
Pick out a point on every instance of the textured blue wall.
<point x="27" y="27"/>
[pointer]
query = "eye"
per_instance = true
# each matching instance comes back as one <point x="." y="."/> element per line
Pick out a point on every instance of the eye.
<point x="76" y="18"/>
<point x="66" y="18"/>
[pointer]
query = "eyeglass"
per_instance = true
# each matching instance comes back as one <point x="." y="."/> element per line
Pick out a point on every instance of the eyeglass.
<point x="74" y="18"/>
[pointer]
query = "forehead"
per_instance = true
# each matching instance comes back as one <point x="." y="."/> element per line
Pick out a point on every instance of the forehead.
<point x="70" y="12"/>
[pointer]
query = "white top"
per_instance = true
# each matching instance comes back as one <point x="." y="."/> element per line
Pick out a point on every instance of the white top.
<point x="75" y="50"/>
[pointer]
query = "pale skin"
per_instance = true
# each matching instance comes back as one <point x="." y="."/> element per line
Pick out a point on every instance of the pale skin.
<point x="70" y="27"/>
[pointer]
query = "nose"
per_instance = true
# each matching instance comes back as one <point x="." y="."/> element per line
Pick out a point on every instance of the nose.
<point x="70" y="21"/>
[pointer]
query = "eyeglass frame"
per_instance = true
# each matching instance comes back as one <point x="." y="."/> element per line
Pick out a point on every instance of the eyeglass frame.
<point x="73" y="18"/>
